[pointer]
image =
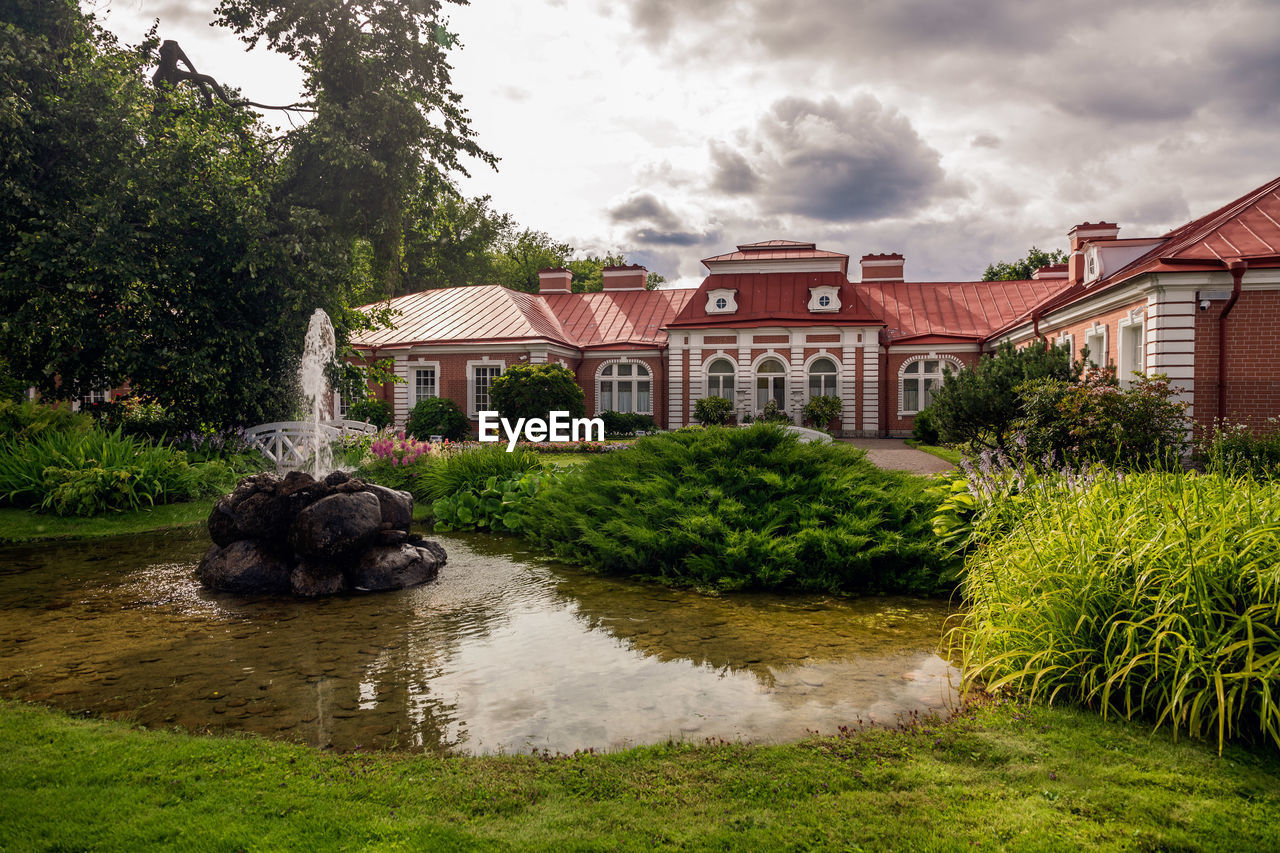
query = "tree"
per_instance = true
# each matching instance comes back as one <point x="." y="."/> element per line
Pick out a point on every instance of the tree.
<point x="450" y="240"/>
<point x="1021" y="270"/>
<point x="980" y="404"/>
<point x="386" y="119"/>
<point x="522" y="255"/>
<point x="535" y="390"/>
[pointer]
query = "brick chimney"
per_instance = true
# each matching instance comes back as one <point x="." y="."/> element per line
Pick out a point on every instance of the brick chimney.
<point x="625" y="277"/>
<point x="881" y="268"/>
<point x="1086" y="232"/>
<point x="555" y="280"/>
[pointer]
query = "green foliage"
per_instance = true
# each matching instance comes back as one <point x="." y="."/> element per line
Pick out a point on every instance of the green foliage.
<point x="471" y="469"/>
<point x="500" y="505"/>
<point x="536" y="390"/>
<point x="1021" y="270"/>
<point x="713" y="411"/>
<point x="437" y="416"/>
<point x="451" y="241"/>
<point x="29" y="419"/>
<point x="821" y="411"/>
<point x="980" y="405"/>
<point x="134" y="415"/>
<point x="773" y="413"/>
<point x="923" y="428"/>
<point x="626" y="424"/>
<point x="744" y="508"/>
<point x="520" y="257"/>
<point x="1151" y="595"/>
<point x="1237" y="451"/>
<point x="371" y="410"/>
<point x="1095" y="420"/>
<point x="88" y="472"/>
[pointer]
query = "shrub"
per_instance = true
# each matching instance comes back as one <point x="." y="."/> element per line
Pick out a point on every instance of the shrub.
<point x="372" y="411"/>
<point x="773" y="413"/>
<point x="456" y="471"/>
<point x="821" y="411"/>
<point x="626" y="424"/>
<point x="980" y="404"/>
<point x="535" y="390"/>
<point x="745" y="508"/>
<point x="437" y="416"/>
<point x="134" y="415"/>
<point x="498" y="505"/>
<point x="713" y="411"/>
<point x="1153" y="595"/>
<point x="28" y="419"/>
<point x="1095" y="420"/>
<point x="923" y="428"/>
<point x="1237" y="451"/>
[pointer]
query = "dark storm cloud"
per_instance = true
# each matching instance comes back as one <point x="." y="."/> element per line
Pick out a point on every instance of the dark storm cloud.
<point x="653" y="237"/>
<point x="985" y="140"/>
<point x="835" y="161"/>
<point x="731" y="173"/>
<point x="646" y="207"/>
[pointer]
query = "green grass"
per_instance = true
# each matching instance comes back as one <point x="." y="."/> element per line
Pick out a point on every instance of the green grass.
<point x="946" y="454"/>
<point x="1004" y="777"/>
<point x="23" y="525"/>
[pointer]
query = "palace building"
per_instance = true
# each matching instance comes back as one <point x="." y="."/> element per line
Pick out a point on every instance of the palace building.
<point x="783" y="320"/>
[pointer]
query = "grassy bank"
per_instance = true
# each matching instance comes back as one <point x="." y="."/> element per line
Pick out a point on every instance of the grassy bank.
<point x="946" y="454"/>
<point x="23" y="525"/>
<point x="1002" y="777"/>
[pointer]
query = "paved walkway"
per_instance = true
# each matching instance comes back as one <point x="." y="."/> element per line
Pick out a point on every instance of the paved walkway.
<point x="894" y="454"/>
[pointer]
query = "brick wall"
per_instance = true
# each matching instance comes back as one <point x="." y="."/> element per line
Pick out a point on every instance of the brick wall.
<point x="1253" y="361"/>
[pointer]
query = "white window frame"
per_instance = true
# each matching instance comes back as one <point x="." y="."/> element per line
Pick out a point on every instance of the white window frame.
<point x="955" y="362"/>
<point x="472" y="403"/>
<point x="1069" y="342"/>
<point x="756" y="405"/>
<point x="1097" y="332"/>
<point x="633" y="379"/>
<point x="1135" y="323"/>
<point x="835" y="377"/>
<point x="732" y="375"/>
<point x="414" y="367"/>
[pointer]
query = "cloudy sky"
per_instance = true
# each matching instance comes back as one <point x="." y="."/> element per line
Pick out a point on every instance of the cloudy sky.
<point x="957" y="132"/>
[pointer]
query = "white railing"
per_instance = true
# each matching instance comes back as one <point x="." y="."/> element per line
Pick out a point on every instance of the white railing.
<point x="289" y="443"/>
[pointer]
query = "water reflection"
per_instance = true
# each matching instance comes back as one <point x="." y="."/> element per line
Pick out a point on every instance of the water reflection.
<point x="505" y="652"/>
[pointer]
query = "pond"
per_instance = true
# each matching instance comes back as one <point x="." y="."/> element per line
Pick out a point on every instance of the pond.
<point x="505" y="652"/>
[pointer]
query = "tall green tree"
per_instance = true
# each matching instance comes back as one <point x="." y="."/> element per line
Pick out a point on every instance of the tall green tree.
<point x="1021" y="270"/>
<point x="386" y="122"/>
<point x="522" y="255"/>
<point x="451" y="241"/>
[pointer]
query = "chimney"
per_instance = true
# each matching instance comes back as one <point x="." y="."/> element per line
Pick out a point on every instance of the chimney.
<point x="1086" y="232"/>
<point x="625" y="277"/>
<point x="555" y="280"/>
<point x="882" y="268"/>
<point x="1052" y="271"/>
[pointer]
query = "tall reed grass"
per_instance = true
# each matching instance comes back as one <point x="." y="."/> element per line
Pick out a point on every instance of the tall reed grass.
<point x="1152" y="595"/>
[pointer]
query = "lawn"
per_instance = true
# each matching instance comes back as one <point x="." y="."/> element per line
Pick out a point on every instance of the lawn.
<point x="23" y="525"/>
<point x="999" y="777"/>
<point x="946" y="454"/>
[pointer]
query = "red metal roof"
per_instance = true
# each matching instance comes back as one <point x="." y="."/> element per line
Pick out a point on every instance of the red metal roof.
<point x="968" y="309"/>
<point x="775" y="250"/>
<point x="774" y="299"/>
<point x="493" y="313"/>
<point x="617" y="317"/>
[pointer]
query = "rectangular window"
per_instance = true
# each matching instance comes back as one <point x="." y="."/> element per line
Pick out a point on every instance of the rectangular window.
<point x="484" y="379"/>
<point x="343" y="405"/>
<point x="624" y="397"/>
<point x="911" y="395"/>
<point x="642" y="397"/>
<point x="1097" y="344"/>
<point x="424" y="384"/>
<point x="1132" y="342"/>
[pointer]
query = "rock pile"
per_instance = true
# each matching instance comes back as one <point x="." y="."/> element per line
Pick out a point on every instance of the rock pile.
<point x="315" y="537"/>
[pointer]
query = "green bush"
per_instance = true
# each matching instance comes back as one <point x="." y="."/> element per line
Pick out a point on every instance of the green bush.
<point x="1153" y="595"/>
<point x="821" y="411"/>
<point x="626" y="424"/>
<point x="136" y="416"/>
<point x="371" y="410"/>
<point x="773" y="413"/>
<point x="730" y="509"/>
<point x="1095" y="420"/>
<point x="498" y="505"/>
<point x="1236" y="451"/>
<point x="535" y="390"/>
<point x="923" y="428"/>
<point x="28" y="419"/>
<point x="93" y="471"/>
<point x="713" y="411"/>
<point x="454" y="472"/>
<point x="437" y="416"/>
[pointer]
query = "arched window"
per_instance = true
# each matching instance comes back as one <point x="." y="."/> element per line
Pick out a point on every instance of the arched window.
<point x="720" y="378"/>
<point x="822" y="378"/>
<point x="771" y="383"/>
<point x="625" y="387"/>
<point x="920" y="379"/>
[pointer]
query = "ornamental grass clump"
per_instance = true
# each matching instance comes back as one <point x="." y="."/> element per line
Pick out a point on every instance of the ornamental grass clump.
<point x="1152" y="595"/>
<point x="752" y="508"/>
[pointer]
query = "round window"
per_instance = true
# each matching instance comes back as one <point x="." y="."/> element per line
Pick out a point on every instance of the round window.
<point x="722" y="303"/>
<point x="824" y="301"/>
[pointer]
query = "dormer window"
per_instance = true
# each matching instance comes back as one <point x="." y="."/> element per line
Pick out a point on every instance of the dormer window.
<point x="722" y="300"/>
<point x="824" y="299"/>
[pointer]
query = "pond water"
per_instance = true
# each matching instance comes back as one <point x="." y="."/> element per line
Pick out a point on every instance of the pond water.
<point x="505" y="652"/>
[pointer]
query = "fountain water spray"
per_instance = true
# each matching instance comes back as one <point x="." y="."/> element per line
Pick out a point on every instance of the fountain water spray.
<point x="316" y="355"/>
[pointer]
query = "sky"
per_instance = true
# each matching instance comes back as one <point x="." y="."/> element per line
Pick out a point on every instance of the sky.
<point x="957" y="132"/>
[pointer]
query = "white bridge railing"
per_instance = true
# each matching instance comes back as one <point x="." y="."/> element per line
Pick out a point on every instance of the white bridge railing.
<point x="289" y="443"/>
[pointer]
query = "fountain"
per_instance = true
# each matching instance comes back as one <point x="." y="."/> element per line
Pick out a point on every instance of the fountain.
<point x="316" y="531"/>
